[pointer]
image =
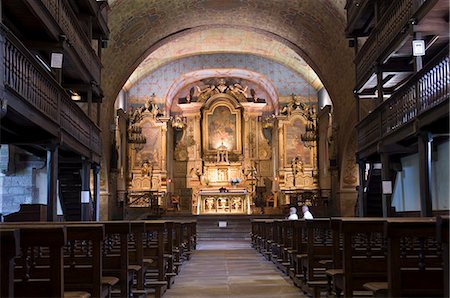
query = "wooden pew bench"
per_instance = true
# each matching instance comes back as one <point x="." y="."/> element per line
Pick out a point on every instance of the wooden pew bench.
<point x="116" y="258"/>
<point x="299" y="252"/>
<point x="30" y="278"/>
<point x="358" y="244"/>
<point x="414" y="267"/>
<point x="319" y="249"/>
<point x="10" y="249"/>
<point x="82" y="258"/>
<point x="442" y="235"/>
<point x="154" y="261"/>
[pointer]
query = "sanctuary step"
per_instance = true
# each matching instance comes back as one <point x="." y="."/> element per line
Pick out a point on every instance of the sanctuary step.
<point x="233" y="227"/>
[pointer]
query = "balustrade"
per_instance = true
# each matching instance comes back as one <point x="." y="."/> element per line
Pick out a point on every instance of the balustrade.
<point x="68" y="22"/>
<point x="28" y="79"/>
<point x="425" y="90"/>
<point x="392" y="23"/>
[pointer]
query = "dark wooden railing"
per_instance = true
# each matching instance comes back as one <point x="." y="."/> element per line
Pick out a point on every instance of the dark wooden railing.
<point x="425" y="90"/>
<point x="27" y="78"/>
<point x="68" y="23"/>
<point x="393" y="21"/>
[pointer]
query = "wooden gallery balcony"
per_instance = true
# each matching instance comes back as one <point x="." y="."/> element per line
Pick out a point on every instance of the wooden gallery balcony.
<point x="388" y="29"/>
<point x="66" y="26"/>
<point x="35" y="109"/>
<point x="423" y="102"/>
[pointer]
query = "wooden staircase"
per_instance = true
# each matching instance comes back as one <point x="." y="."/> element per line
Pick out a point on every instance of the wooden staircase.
<point x="70" y="190"/>
<point x="373" y="193"/>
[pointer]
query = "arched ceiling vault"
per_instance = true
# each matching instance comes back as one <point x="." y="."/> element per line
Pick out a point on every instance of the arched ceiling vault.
<point x="314" y="29"/>
<point x="229" y="39"/>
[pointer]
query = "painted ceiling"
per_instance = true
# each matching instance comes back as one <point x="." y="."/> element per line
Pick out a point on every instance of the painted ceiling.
<point x="276" y="78"/>
<point x="225" y="40"/>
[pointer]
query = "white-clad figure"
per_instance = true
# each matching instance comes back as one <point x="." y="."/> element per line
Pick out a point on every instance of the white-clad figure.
<point x="293" y="213"/>
<point x="306" y="213"/>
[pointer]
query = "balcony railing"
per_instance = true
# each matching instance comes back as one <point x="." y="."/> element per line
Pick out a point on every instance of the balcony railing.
<point x="68" y="23"/>
<point x="396" y="18"/>
<point x="27" y="78"/>
<point x="425" y="90"/>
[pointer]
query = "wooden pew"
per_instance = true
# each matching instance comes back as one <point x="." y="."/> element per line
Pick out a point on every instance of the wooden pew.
<point x="287" y="239"/>
<point x="363" y="255"/>
<point x="10" y="249"/>
<point x="268" y="239"/>
<point x="115" y="254"/>
<point x="154" y="256"/>
<point x="442" y="235"/>
<point x="300" y="243"/>
<point x="258" y="233"/>
<point x="319" y="249"/>
<point x="82" y="258"/>
<point x="136" y="257"/>
<point x="31" y="280"/>
<point x="414" y="258"/>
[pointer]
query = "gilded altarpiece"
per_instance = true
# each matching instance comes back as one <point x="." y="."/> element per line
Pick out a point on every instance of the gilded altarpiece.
<point x="146" y="153"/>
<point x="228" y="144"/>
<point x="297" y="136"/>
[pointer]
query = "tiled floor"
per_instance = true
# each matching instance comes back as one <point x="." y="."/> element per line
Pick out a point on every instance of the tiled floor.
<point x="220" y="269"/>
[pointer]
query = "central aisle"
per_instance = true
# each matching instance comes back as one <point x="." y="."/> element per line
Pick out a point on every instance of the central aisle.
<point x="230" y="269"/>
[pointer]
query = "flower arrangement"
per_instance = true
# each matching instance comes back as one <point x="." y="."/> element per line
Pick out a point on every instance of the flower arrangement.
<point x="234" y="181"/>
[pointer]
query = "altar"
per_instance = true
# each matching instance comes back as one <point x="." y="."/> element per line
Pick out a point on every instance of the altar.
<point x="227" y="201"/>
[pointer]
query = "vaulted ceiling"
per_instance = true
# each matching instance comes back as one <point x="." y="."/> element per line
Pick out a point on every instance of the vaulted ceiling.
<point x="300" y="34"/>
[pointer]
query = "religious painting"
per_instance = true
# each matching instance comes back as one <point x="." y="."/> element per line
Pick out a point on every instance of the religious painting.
<point x="222" y="129"/>
<point x="294" y="145"/>
<point x="150" y="150"/>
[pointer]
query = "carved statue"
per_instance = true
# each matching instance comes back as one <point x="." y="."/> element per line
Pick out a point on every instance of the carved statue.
<point x="205" y="93"/>
<point x="146" y="169"/>
<point x="237" y="91"/>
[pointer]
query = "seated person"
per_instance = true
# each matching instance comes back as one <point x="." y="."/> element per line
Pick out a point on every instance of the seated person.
<point x="306" y="213"/>
<point x="293" y="213"/>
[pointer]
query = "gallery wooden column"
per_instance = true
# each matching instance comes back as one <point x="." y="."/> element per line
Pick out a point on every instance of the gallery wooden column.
<point x="52" y="182"/>
<point x="386" y="177"/>
<point x="424" y="173"/>
<point x="96" y="170"/>
<point x="85" y="190"/>
<point x="362" y="182"/>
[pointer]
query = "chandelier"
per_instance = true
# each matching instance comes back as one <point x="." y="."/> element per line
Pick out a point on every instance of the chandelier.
<point x="135" y="135"/>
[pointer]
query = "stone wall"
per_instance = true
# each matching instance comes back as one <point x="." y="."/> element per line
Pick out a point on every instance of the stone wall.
<point x="22" y="179"/>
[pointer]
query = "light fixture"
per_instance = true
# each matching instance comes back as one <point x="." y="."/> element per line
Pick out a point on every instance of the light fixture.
<point x="74" y="95"/>
<point x="309" y="138"/>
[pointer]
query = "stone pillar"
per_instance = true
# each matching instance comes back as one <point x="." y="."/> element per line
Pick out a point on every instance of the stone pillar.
<point x="52" y="182"/>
